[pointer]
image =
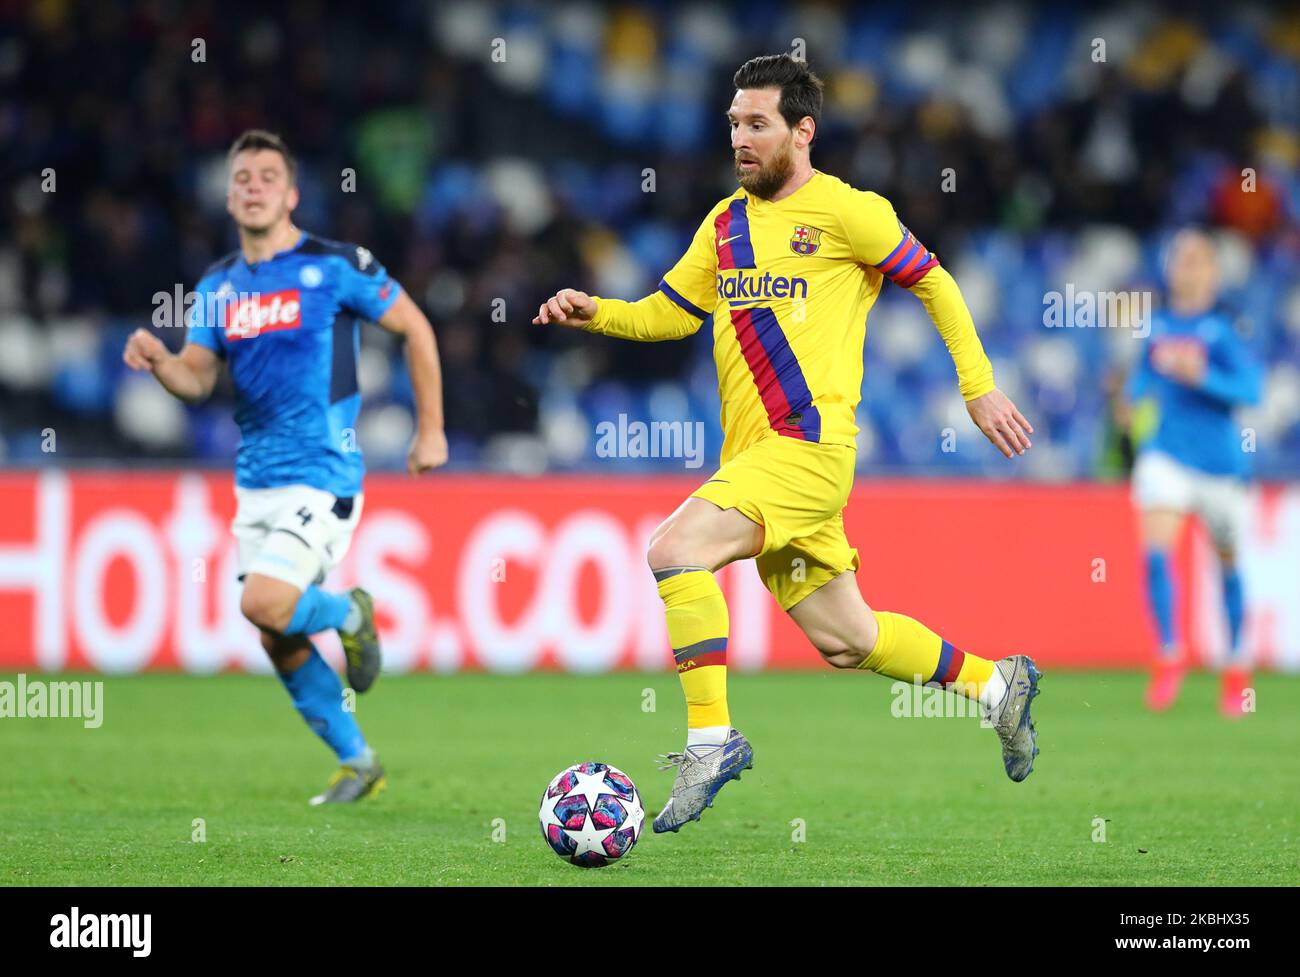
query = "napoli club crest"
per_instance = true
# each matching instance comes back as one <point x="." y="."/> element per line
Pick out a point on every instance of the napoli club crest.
<point x="806" y="240"/>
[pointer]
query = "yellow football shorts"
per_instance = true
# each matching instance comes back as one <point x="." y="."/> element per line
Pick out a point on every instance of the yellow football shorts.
<point x="796" y="490"/>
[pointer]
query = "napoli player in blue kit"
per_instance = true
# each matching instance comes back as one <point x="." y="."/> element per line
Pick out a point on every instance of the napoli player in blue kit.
<point x="283" y="313"/>
<point x="1193" y="371"/>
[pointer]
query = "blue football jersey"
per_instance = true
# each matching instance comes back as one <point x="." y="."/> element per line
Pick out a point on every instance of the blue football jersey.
<point x="1195" y="424"/>
<point x="288" y="328"/>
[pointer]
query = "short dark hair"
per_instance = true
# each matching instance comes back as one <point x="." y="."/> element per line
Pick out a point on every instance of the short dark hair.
<point x="255" y="139"/>
<point x="801" y="90"/>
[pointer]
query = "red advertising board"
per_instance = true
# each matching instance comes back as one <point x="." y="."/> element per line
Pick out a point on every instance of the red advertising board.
<point x="123" y="571"/>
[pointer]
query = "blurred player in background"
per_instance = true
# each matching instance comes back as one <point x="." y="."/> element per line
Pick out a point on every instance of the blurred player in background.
<point x="789" y="266"/>
<point x="283" y="313"/>
<point x="1194" y="370"/>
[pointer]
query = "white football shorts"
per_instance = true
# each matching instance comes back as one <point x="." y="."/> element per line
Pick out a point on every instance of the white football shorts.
<point x="1162" y="482"/>
<point x="293" y="533"/>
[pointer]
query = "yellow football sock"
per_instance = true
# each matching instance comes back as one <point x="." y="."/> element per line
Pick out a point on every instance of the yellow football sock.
<point x="906" y="649"/>
<point x="697" y="630"/>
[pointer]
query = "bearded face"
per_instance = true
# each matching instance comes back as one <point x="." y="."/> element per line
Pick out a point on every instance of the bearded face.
<point x="763" y="143"/>
<point x="764" y="177"/>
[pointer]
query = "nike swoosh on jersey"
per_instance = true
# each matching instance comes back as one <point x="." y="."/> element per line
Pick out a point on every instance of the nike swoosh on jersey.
<point x="726" y="241"/>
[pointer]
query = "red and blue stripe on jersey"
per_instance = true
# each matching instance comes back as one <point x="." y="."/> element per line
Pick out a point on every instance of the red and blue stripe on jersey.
<point x="775" y="369"/>
<point x="908" y="263"/>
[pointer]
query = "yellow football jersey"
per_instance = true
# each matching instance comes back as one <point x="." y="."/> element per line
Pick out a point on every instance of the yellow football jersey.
<point x="789" y="285"/>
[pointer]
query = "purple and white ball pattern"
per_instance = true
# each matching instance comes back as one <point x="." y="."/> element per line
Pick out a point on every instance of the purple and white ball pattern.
<point x="591" y="814"/>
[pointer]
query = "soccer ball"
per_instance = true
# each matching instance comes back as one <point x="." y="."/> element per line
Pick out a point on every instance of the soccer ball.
<point x="591" y="814"/>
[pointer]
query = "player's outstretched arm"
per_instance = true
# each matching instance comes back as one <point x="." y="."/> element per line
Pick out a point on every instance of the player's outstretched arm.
<point x="188" y="376"/>
<point x="651" y="319"/>
<point x="881" y="241"/>
<point x="990" y="409"/>
<point x="429" y="446"/>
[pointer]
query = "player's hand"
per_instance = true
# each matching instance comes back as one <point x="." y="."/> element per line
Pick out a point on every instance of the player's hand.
<point x="1001" y="422"/>
<point x="1181" y="361"/>
<point x="144" y="350"/>
<point x="567" y="307"/>
<point x="428" y="451"/>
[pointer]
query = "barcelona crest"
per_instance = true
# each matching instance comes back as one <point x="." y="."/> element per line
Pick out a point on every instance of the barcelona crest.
<point x="806" y="240"/>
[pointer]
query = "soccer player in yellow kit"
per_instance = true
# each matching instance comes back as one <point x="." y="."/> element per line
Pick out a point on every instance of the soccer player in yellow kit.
<point x="789" y="267"/>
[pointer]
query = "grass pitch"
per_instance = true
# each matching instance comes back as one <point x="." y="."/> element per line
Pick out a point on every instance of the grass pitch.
<point x="1185" y="798"/>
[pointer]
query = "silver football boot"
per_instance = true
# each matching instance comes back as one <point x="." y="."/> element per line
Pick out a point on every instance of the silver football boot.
<point x="1011" y="719"/>
<point x="702" y="771"/>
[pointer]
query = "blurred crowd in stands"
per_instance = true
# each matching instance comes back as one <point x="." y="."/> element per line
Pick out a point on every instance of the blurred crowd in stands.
<point x="490" y="153"/>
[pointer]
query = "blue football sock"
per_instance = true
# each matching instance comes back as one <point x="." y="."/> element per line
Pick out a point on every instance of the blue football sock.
<point x="317" y="694"/>
<point x="1234" y="601"/>
<point x="318" y="610"/>
<point x="1160" y="593"/>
